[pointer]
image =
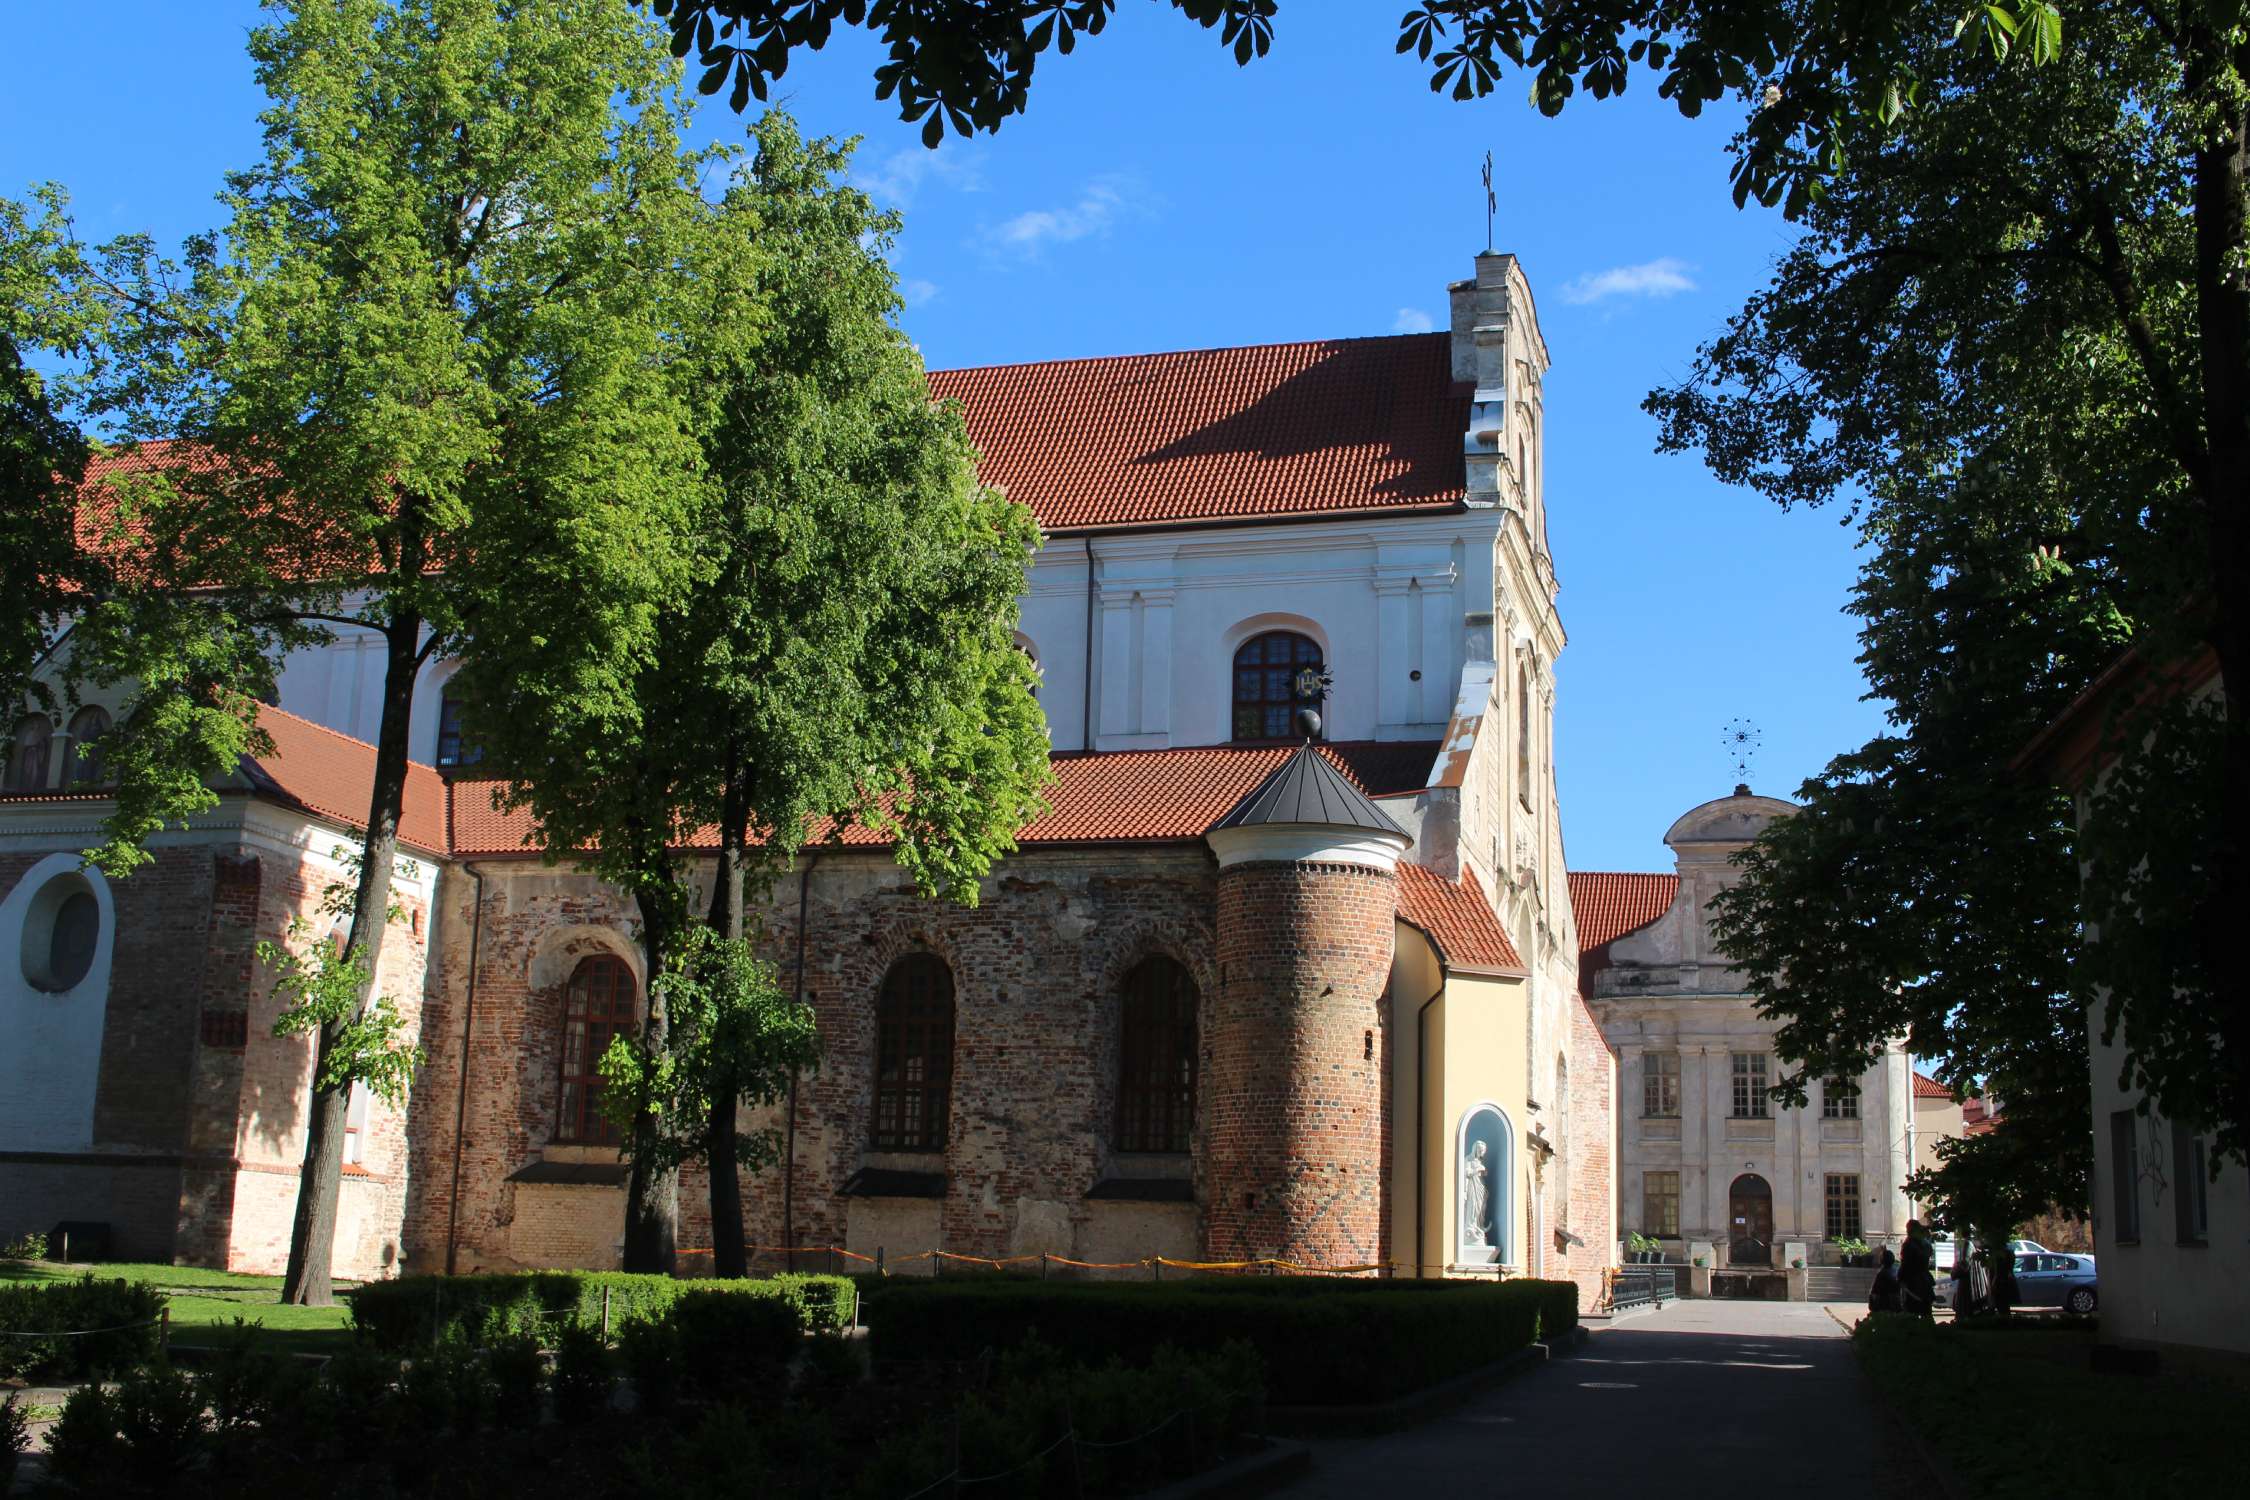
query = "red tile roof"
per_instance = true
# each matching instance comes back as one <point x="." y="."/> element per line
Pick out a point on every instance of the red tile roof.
<point x="1926" y="1087"/>
<point x="1457" y="918"/>
<point x="100" y="522"/>
<point x="332" y="774"/>
<point x="1610" y="904"/>
<point x="1124" y="796"/>
<point x="1276" y="429"/>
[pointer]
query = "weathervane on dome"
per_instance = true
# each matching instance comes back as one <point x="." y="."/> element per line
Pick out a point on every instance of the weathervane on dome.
<point x="1491" y="203"/>
<point x="1741" y="738"/>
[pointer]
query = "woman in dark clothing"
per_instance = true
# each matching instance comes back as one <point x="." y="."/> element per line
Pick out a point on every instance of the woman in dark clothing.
<point x="1883" y="1297"/>
<point x="1917" y="1279"/>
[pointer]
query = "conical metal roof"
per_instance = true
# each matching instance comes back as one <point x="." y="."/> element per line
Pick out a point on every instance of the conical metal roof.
<point x="1306" y="789"/>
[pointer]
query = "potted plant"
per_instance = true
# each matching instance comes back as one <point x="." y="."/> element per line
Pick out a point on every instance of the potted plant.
<point x="1703" y="1260"/>
<point x="1644" y="1249"/>
<point x="1853" y="1251"/>
<point x="1797" y="1264"/>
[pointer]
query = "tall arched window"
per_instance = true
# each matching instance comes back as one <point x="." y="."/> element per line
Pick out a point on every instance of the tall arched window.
<point x="1271" y="683"/>
<point x="599" y="1004"/>
<point x="914" y="1055"/>
<point x="1156" y="1058"/>
<point x="27" y="753"/>
<point x="454" y="748"/>
<point x="1523" y="734"/>
<point x="87" y="726"/>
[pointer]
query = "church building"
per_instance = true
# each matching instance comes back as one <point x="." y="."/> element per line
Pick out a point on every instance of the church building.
<point x="1239" y="993"/>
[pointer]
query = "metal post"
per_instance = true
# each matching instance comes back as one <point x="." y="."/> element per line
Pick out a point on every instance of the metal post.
<point x="937" y="1264"/>
<point x="605" y="1315"/>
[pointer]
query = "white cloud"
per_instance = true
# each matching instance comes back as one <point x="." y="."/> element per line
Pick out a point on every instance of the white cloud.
<point x="898" y="177"/>
<point x="916" y="292"/>
<point x="1664" y="277"/>
<point x="1100" y="204"/>
<point x="1411" y="320"/>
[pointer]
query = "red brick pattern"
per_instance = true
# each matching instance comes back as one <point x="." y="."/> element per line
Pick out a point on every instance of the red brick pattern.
<point x="1294" y="1090"/>
<point x="1586" y="1177"/>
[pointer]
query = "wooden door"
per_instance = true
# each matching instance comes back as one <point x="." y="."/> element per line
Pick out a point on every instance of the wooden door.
<point x="1750" y="1222"/>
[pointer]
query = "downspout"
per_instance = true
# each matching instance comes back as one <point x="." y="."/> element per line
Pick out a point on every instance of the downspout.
<point x="789" y="1131"/>
<point x="1086" y="706"/>
<point x="1421" y="1113"/>
<point x="461" y="1099"/>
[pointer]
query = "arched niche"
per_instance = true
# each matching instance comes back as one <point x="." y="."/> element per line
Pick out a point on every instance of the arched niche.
<point x="1491" y="1242"/>
<point x="58" y="930"/>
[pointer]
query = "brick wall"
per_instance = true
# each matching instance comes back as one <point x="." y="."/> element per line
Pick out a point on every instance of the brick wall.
<point x="1589" y="1180"/>
<point x="1294" y="1090"/>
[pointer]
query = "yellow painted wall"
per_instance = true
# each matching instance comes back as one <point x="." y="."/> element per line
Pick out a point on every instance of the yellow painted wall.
<point x="1476" y="1033"/>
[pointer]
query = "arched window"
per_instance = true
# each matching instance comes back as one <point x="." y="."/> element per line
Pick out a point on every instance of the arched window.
<point x="1275" y="674"/>
<point x="453" y="747"/>
<point x="599" y="1004"/>
<point x="914" y="1055"/>
<point x="1156" y="1058"/>
<point x="27" y="754"/>
<point x="87" y="726"/>
<point x="1523" y="735"/>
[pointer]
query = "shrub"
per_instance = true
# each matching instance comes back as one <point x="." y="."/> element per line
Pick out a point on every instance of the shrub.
<point x="652" y="1359"/>
<point x="448" y="1386"/>
<point x="518" y="1370"/>
<point x="15" y="1436"/>
<point x="97" y="1326"/>
<point x="738" y="1336"/>
<point x="160" y="1424"/>
<point x="84" y="1451"/>
<point x="581" y="1375"/>
<point x="411" y="1312"/>
<point x="1326" y="1341"/>
<point x="243" y="1380"/>
<point x="29" y="1246"/>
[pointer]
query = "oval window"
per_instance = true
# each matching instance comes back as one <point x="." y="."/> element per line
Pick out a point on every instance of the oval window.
<point x="61" y="932"/>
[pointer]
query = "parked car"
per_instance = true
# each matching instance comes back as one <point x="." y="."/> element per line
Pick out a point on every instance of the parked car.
<point x="2027" y="1247"/>
<point x="2045" y="1279"/>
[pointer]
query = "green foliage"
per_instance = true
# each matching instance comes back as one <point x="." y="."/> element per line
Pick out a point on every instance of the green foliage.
<point x="449" y="1387"/>
<point x="15" y="1436"/>
<point x="582" y="1376"/>
<point x="1326" y="1341"/>
<point x="735" y="1030"/>
<point x="139" y="1438"/>
<point x="736" y="1336"/>
<point x="519" y="1373"/>
<point x="651" y="1351"/>
<point x="117" y="1321"/>
<point x="411" y="1312"/>
<point x="84" y="1452"/>
<point x="30" y="1245"/>
<point x="242" y="1381"/>
<point x="322" y="991"/>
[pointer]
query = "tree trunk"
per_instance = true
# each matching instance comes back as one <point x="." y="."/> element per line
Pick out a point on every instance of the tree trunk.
<point x="2223" y="311"/>
<point x="728" y="1254"/>
<point x="312" y="1234"/>
<point x="652" y="1201"/>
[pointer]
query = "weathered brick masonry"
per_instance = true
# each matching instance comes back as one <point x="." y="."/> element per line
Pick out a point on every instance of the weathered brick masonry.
<point x="1294" y="1152"/>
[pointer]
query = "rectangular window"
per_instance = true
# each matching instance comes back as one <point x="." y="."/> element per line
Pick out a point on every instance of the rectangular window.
<point x="2124" y="1180"/>
<point x="355" y="1125"/>
<point x="1660" y="1085"/>
<point x="1839" y="1099"/>
<point x="1750" y="1086"/>
<point x="2191" y="1186"/>
<point x="1843" y="1205"/>
<point x="1660" y="1204"/>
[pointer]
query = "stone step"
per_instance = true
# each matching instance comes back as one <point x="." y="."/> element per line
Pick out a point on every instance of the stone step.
<point x="1838" y="1283"/>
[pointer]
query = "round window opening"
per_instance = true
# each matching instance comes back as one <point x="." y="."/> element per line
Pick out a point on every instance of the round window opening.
<point x="60" y="933"/>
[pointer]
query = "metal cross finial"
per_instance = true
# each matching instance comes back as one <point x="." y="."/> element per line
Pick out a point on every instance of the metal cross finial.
<point x="1490" y="203"/>
<point x="1741" y="739"/>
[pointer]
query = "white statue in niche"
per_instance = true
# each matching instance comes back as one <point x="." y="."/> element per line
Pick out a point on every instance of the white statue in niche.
<point x="1473" y="1197"/>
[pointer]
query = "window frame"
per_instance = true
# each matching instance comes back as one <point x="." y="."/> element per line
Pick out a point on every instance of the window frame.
<point x="902" y="1039"/>
<point x="464" y="752"/>
<point x="1157" y="1039"/>
<point x="21" y="777"/>
<point x="1839" y="1099"/>
<point x="1660" y="1222"/>
<point x="1659" y="1084"/>
<point x="1842" y="1212"/>
<point x="1751" y="1075"/>
<point x="85" y="770"/>
<point x="578" y="1117"/>
<point x="1262" y="703"/>
<point x="2191" y="1187"/>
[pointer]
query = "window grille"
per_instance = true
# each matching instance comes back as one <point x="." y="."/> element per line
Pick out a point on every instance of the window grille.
<point x="914" y="1055"/>
<point x="1660" y="1204"/>
<point x="1843" y="1206"/>
<point x="599" y="1005"/>
<point x="1156" y="1058"/>
<point x="1266" y="685"/>
<point x="1839" y="1099"/>
<point x="1660" y="1085"/>
<point x="1750" y="1086"/>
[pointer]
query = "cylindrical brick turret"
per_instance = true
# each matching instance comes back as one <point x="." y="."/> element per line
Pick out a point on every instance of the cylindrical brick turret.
<point x="1293" y="1148"/>
<point x="1293" y="1153"/>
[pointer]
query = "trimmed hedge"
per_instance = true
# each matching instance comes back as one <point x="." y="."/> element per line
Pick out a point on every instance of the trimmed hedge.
<point x="126" y="1310"/>
<point x="412" y="1311"/>
<point x="1325" y="1341"/>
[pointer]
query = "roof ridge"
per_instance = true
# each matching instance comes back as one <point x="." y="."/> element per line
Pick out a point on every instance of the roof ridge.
<point x="1098" y="359"/>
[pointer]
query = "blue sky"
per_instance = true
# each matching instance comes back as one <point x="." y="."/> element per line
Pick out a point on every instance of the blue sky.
<point x="1158" y="197"/>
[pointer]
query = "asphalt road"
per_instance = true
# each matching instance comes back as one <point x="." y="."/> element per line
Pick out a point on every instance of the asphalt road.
<point x="1700" y="1398"/>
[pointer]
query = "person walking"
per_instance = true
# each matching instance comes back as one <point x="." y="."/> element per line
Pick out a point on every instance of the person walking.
<point x="1917" y="1276"/>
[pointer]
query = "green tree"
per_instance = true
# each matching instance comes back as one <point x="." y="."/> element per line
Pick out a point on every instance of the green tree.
<point x="844" y="654"/>
<point x="1997" y="338"/>
<point x="433" y="312"/>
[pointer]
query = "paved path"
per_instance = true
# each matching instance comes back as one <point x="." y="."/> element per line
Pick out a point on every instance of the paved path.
<point x="1700" y="1398"/>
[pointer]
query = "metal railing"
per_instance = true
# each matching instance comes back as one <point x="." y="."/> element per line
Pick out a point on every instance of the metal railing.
<point x="1643" y="1286"/>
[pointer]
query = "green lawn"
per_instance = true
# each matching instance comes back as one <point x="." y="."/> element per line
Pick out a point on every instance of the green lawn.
<point x="206" y="1303"/>
<point x="2017" y="1412"/>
